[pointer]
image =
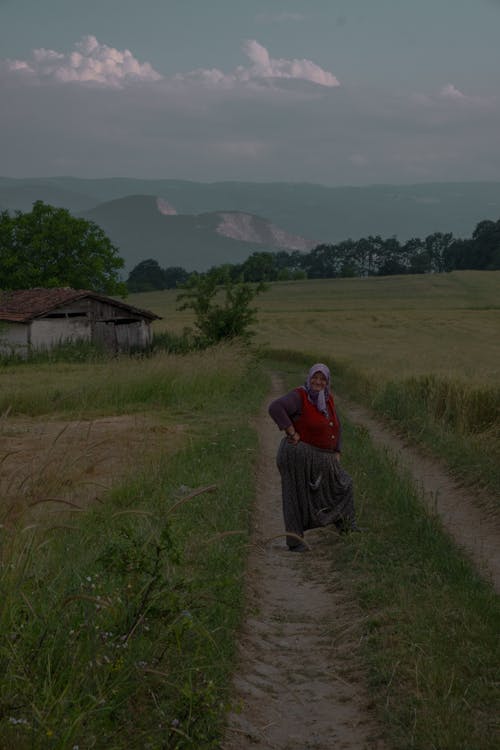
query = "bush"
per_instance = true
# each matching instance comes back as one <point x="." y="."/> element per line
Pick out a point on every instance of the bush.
<point x="214" y="321"/>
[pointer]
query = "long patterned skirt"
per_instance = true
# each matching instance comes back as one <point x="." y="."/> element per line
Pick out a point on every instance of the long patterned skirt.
<point x="316" y="490"/>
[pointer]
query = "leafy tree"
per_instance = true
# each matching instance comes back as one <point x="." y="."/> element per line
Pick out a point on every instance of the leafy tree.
<point x="392" y="262"/>
<point x="146" y="276"/>
<point x="215" y="321"/>
<point x="260" y="266"/>
<point x="486" y="238"/>
<point x="48" y="247"/>
<point x="481" y="252"/>
<point x="175" y="276"/>
<point x="322" y="262"/>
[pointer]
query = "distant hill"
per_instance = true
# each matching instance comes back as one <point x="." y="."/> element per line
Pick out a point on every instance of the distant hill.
<point x="315" y="212"/>
<point x="143" y="226"/>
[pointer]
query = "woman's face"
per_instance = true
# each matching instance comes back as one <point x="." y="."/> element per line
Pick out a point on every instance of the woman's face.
<point x="318" y="381"/>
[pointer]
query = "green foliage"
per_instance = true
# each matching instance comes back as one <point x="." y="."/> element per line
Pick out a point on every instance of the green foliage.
<point x="66" y="351"/>
<point x="47" y="247"/>
<point x="120" y="621"/>
<point x="216" y="322"/>
<point x="430" y="624"/>
<point x="148" y="276"/>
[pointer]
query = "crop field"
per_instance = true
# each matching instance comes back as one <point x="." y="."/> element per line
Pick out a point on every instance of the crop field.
<point x="421" y="350"/>
<point x="447" y="324"/>
<point x="126" y="489"/>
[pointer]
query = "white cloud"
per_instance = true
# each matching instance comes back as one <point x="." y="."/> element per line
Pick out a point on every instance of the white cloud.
<point x="451" y="92"/>
<point x="449" y="96"/>
<point x="90" y="62"/>
<point x="93" y="62"/>
<point x="264" y="67"/>
<point x="231" y="124"/>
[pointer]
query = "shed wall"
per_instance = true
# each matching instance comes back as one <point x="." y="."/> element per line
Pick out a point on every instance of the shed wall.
<point x="47" y="332"/>
<point x="14" y="338"/>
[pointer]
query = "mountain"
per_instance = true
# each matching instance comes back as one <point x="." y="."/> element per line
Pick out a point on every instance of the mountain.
<point x="144" y="226"/>
<point x="19" y="195"/>
<point x="316" y="212"/>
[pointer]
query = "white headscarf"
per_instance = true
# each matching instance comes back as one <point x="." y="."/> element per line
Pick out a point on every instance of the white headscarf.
<point x="319" y="398"/>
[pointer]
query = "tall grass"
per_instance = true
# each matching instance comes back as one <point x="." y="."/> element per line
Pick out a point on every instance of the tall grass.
<point x="192" y="382"/>
<point x="119" y="622"/>
<point x="430" y="629"/>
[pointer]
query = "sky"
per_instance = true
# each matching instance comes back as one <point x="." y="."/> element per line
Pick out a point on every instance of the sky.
<point x="335" y="92"/>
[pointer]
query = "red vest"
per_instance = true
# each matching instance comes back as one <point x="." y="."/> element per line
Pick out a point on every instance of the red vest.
<point x="314" y="428"/>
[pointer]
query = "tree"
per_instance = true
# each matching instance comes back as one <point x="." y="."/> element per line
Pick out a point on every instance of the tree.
<point x="48" y="247"/>
<point x="215" y="321"/>
<point x="486" y="238"/>
<point x="260" y="266"/>
<point x="322" y="262"/>
<point x="146" y="276"/>
<point x="175" y="276"/>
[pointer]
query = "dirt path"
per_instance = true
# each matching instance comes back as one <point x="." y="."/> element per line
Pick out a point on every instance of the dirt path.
<point x="475" y="529"/>
<point x="299" y="684"/>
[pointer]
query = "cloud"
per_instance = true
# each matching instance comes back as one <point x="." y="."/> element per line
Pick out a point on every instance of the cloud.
<point x="450" y="96"/>
<point x="94" y="63"/>
<point x="214" y="124"/>
<point x="451" y="92"/>
<point x="264" y="68"/>
<point x="90" y="62"/>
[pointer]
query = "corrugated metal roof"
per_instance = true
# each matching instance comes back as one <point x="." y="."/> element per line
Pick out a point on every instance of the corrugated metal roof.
<point x="22" y="305"/>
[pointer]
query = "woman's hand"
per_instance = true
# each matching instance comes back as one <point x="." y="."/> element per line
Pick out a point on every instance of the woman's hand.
<point x="292" y="437"/>
<point x="336" y="456"/>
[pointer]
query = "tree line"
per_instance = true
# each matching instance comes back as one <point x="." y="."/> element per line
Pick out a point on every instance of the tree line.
<point x="370" y="256"/>
<point x="49" y="247"/>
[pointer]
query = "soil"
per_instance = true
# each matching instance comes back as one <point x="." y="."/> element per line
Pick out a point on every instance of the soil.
<point x="299" y="683"/>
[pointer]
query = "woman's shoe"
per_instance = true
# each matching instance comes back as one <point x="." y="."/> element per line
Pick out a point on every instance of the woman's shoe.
<point x="347" y="527"/>
<point x="299" y="548"/>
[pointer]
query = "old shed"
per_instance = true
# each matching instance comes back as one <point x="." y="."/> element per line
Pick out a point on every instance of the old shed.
<point x="34" y="319"/>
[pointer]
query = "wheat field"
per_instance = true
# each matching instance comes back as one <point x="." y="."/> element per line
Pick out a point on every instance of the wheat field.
<point x="388" y="327"/>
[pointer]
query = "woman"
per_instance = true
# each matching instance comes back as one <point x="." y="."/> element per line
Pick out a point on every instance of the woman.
<point x="315" y="488"/>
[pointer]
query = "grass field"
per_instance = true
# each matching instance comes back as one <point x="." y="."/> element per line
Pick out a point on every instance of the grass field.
<point x="119" y="615"/>
<point x="447" y="324"/>
<point x="126" y="638"/>
<point x="421" y="350"/>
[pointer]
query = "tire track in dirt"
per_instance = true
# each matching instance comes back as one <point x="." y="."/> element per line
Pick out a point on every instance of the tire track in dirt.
<point x="299" y="683"/>
<point x="474" y="528"/>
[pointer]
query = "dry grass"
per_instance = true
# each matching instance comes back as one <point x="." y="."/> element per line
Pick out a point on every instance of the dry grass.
<point x="47" y="463"/>
<point x="387" y="327"/>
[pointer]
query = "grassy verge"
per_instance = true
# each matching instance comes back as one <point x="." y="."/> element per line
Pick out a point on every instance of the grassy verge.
<point x="430" y="625"/>
<point x="119" y="622"/>
<point x="200" y="382"/>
